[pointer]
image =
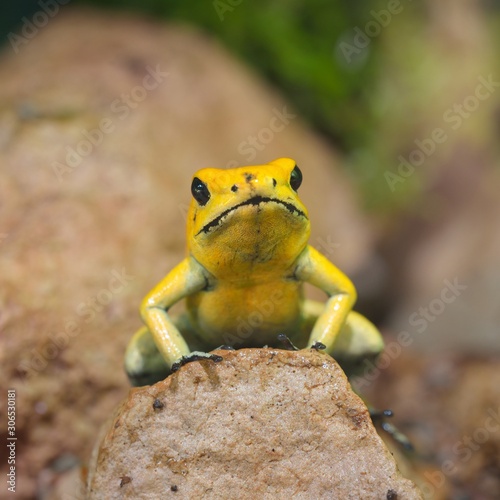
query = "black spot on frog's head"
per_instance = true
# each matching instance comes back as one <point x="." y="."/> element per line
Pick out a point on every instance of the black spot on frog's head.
<point x="249" y="177"/>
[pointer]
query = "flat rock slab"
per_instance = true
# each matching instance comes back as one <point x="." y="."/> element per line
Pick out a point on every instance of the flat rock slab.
<point x="263" y="423"/>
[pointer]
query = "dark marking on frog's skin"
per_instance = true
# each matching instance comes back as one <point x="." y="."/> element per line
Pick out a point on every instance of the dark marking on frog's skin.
<point x="293" y="276"/>
<point x="256" y="200"/>
<point x="248" y="177"/>
<point x="234" y="188"/>
<point x="209" y="285"/>
<point x="194" y="217"/>
<point x="274" y="183"/>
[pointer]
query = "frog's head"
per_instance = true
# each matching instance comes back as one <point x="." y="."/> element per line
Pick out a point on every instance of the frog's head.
<point x="246" y="216"/>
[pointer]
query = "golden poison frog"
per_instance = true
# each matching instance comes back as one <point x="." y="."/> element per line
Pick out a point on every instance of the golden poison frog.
<point x="247" y="260"/>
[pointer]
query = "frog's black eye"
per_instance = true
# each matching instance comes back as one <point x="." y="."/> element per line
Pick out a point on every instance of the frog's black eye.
<point x="295" y="178"/>
<point x="200" y="191"/>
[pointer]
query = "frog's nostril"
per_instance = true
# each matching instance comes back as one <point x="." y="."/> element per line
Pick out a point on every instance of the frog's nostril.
<point x="234" y="188"/>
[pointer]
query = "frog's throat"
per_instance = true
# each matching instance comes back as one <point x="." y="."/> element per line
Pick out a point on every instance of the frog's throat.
<point x="256" y="200"/>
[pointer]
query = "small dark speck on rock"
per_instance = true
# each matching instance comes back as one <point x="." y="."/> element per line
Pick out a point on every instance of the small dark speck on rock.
<point x="174" y="488"/>
<point x="391" y="495"/>
<point x="125" y="480"/>
<point x="157" y="404"/>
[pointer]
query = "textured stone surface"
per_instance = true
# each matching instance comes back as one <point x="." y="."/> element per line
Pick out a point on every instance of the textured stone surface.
<point x="263" y="423"/>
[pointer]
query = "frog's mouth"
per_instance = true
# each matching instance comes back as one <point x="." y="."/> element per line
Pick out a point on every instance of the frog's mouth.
<point x="256" y="200"/>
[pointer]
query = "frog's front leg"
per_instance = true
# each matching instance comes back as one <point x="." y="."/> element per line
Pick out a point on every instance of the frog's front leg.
<point x="313" y="267"/>
<point x="157" y="346"/>
<point x="359" y="339"/>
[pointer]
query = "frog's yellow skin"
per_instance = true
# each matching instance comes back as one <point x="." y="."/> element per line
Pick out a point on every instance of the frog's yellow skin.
<point x="247" y="259"/>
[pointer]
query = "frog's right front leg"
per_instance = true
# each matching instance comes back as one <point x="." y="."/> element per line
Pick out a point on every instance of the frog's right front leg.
<point x="156" y="347"/>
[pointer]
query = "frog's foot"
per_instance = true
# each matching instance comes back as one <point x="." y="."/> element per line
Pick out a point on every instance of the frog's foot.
<point x="378" y="417"/>
<point x="144" y="364"/>
<point x="318" y="346"/>
<point x="287" y="342"/>
<point x="195" y="356"/>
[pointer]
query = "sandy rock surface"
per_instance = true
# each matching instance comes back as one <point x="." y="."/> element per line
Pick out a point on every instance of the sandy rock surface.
<point x="263" y="423"/>
<point x="94" y="187"/>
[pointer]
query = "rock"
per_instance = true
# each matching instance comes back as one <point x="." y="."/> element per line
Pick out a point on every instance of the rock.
<point x="448" y="406"/>
<point x="83" y="242"/>
<point x="264" y="423"/>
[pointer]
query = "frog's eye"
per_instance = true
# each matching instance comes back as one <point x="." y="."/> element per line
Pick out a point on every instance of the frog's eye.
<point x="200" y="191"/>
<point x="295" y="178"/>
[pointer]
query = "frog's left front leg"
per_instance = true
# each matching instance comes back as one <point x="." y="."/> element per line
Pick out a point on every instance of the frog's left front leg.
<point x="313" y="267"/>
<point x="154" y="349"/>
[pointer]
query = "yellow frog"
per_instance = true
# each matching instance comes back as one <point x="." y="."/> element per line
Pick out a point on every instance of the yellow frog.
<point x="247" y="259"/>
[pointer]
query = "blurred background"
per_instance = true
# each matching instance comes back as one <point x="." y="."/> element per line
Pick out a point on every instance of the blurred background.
<point x="392" y="110"/>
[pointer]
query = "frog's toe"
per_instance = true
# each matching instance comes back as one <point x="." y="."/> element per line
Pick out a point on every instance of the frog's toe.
<point x="287" y="343"/>
<point x="225" y="347"/>
<point x="318" y="346"/>
<point x="196" y="356"/>
<point x="379" y="416"/>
